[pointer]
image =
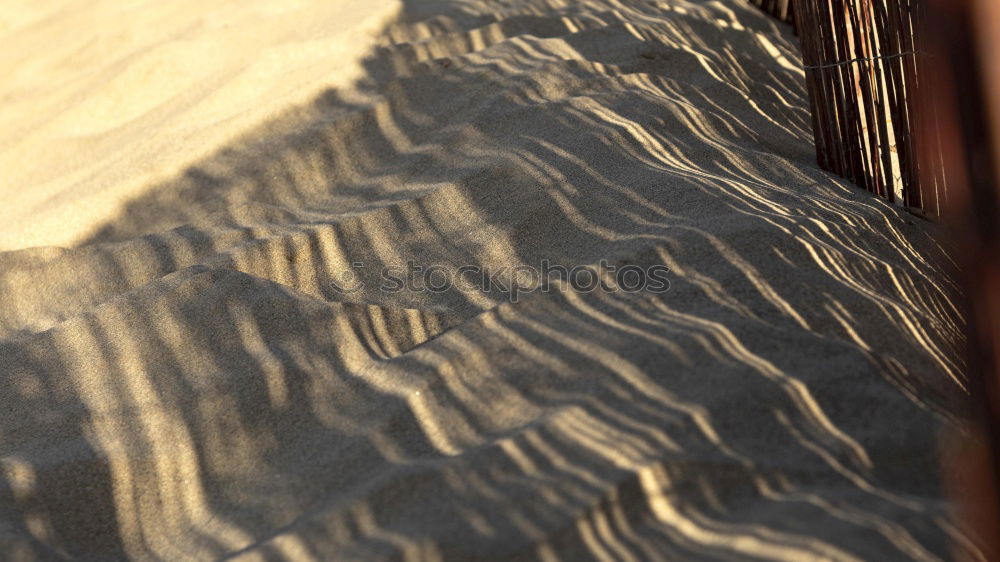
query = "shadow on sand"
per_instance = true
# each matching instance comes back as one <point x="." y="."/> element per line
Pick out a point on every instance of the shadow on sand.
<point x="193" y="383"/>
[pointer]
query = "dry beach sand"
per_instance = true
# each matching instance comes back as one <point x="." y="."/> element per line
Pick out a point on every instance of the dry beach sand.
<point x="187" y="375"/>
<point x="101" y="97"/>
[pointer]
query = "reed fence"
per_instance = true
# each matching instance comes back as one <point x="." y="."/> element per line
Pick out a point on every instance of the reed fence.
<point x="781" y="9"/>
<point x="866" y="68"/>
<point x="912" y="127"/>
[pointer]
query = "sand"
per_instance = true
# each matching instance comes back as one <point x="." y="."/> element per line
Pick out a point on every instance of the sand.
<point x="100" y="98"/>
<point x="207" y="363"/>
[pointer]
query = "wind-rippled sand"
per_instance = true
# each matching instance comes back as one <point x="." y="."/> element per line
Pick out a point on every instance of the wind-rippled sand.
<point x="188" y="380"/>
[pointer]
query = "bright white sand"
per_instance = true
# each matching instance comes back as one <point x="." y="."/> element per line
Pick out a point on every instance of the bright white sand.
<point x="101" y="97"/>
<point x="189" y="383"/>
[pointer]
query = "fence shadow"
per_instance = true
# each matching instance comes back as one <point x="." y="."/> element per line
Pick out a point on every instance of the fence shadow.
<point x="195" y="381"/>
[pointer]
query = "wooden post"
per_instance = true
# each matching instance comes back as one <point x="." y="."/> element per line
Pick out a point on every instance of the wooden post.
<point x="967" y="80"/>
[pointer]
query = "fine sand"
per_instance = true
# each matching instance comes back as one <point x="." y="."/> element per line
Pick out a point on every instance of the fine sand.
<point x="101" y="97"/>
<point x="200" y="359"/>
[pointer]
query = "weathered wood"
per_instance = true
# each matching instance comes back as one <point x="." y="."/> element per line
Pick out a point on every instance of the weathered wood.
<point x="865" y="72"/>
<point x="781" y="9"/>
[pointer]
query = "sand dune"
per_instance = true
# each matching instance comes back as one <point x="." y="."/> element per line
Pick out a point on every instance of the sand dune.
<point x="102" y="97"/>
<point x="218" y="370"/>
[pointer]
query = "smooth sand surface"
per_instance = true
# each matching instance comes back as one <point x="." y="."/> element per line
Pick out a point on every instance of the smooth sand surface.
<point x="99" y="98"/>
<point x="193" y="379"/>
